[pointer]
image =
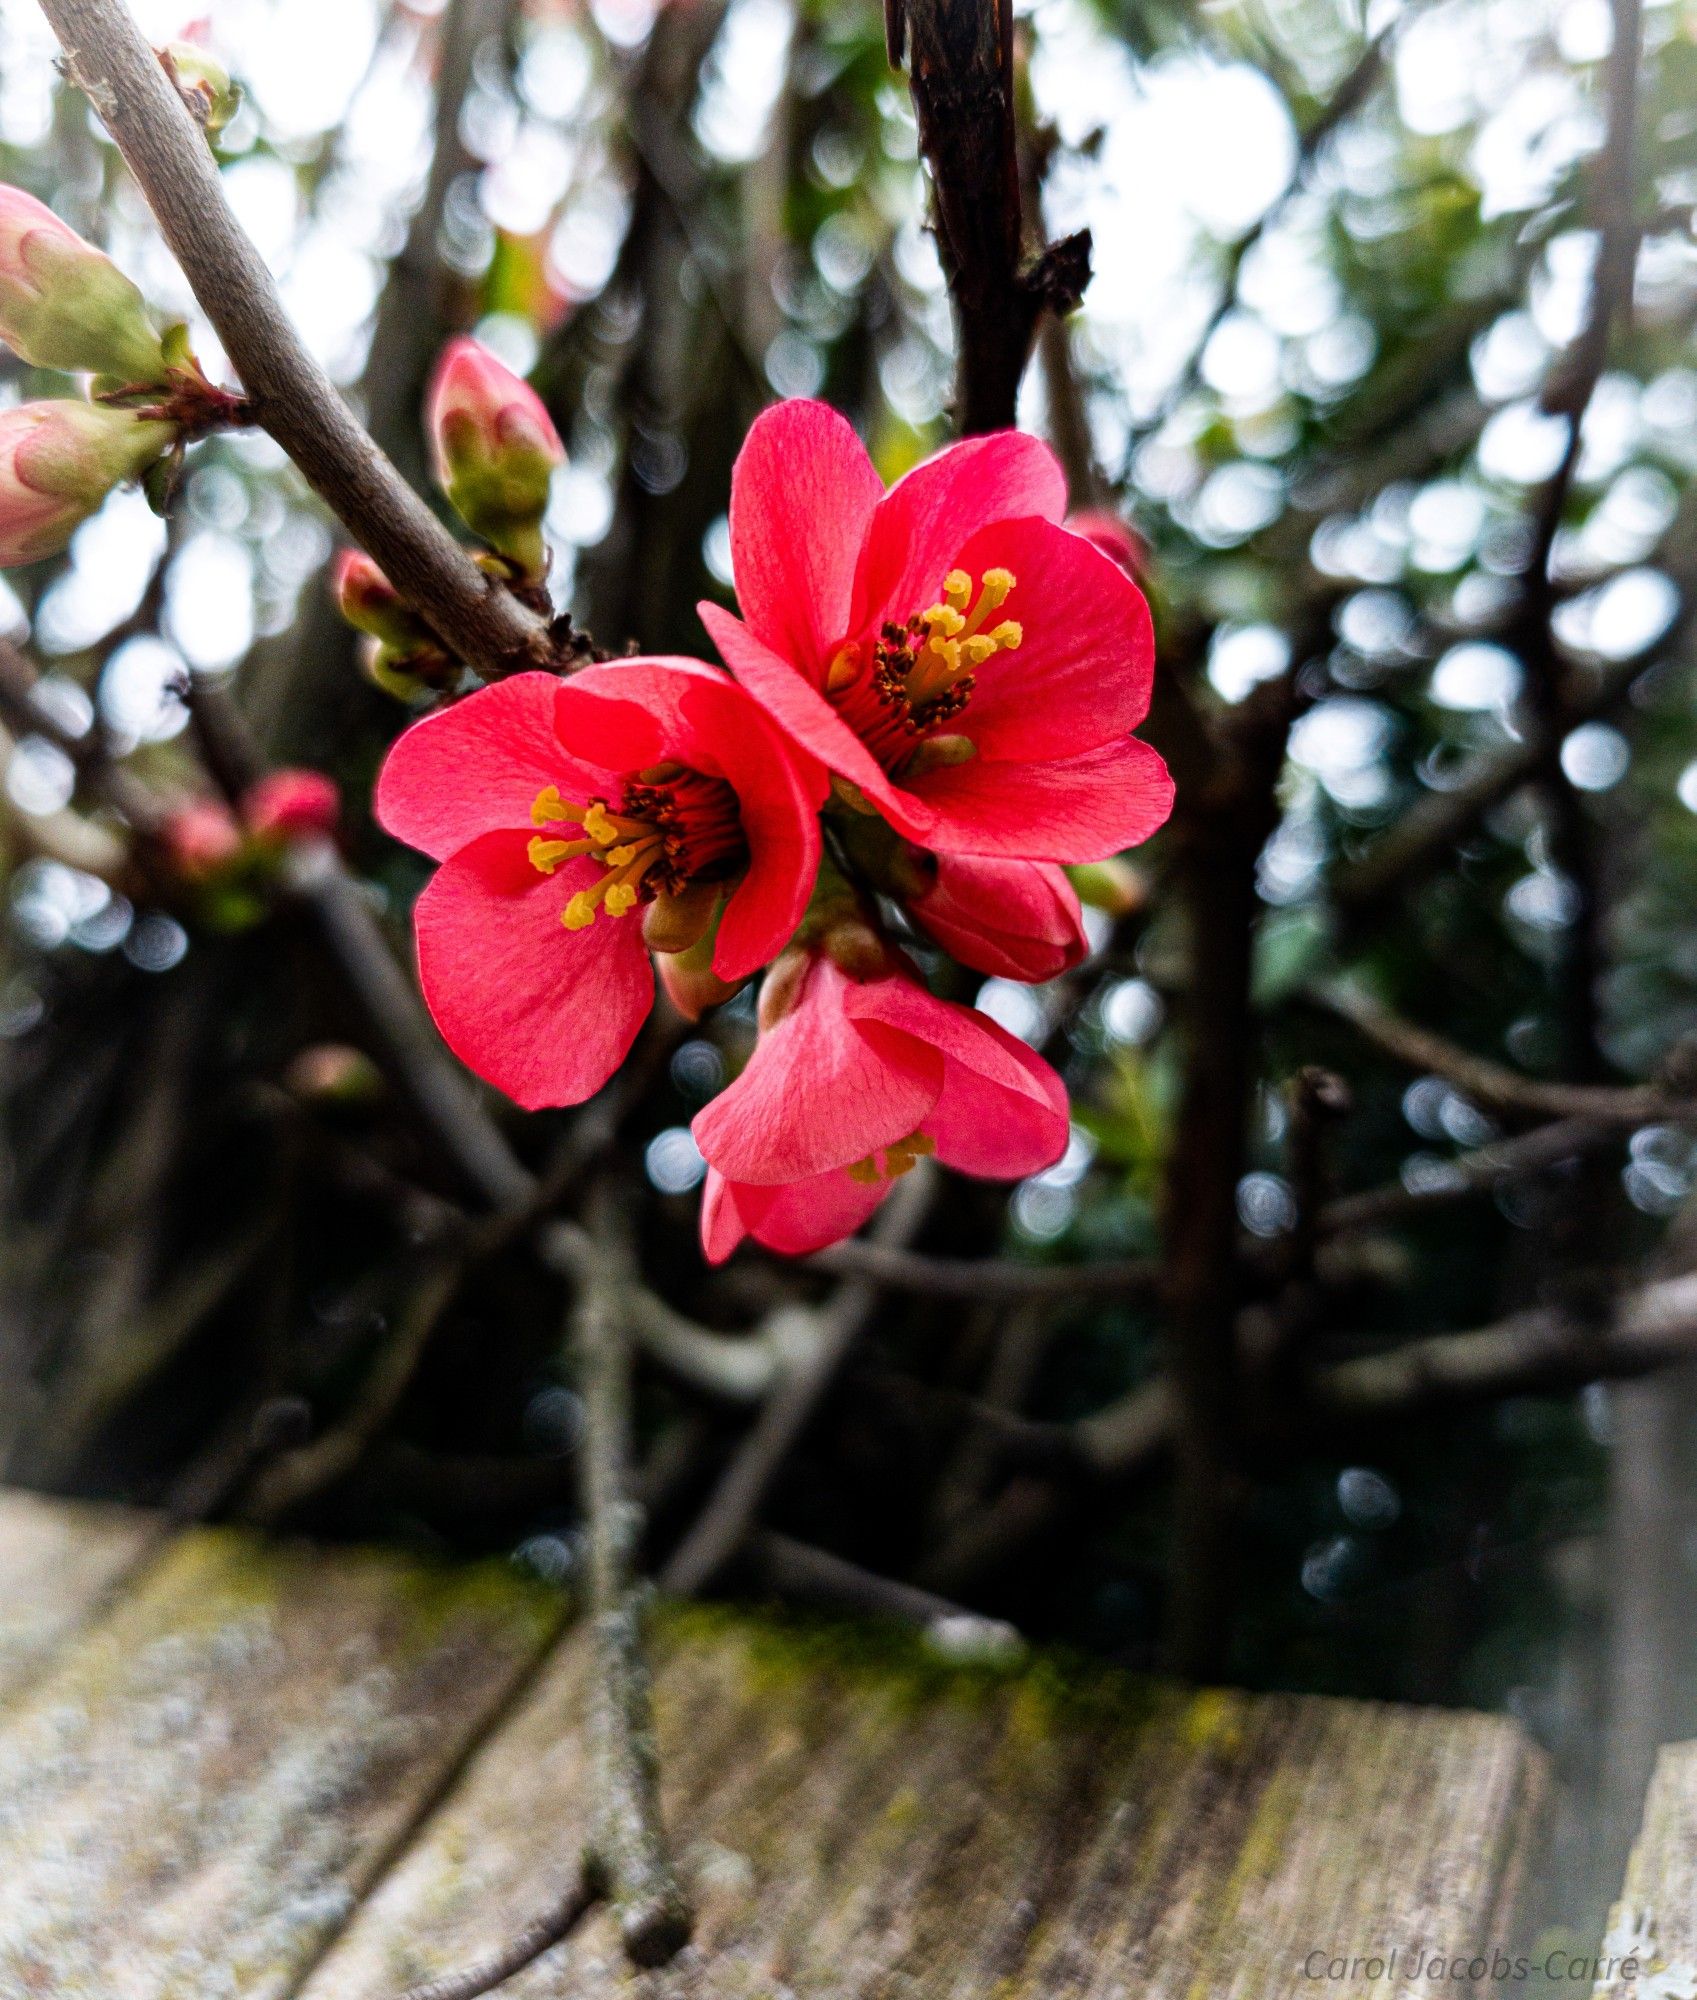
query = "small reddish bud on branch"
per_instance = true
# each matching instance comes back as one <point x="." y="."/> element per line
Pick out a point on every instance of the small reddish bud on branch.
<point x="58" y="462"/>
<point x="494" y="449"/>
<point x="64" y="304"/>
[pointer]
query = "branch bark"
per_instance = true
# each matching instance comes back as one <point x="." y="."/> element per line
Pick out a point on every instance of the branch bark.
<point x="960" y="56"/>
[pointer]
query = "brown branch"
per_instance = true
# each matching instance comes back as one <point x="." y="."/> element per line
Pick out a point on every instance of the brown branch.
<point x="625" y="1856"/>
<point x="984" y="1277"/>
<point x="960" y="59"/>
<point x="539" y="1935"/>
<point x="1478" y="1172"/>
<point x="1494" y="1087"/>
<point x="816" y="1576"/>
<point x="294" y="399"/>
<point x="723" y="1523"/>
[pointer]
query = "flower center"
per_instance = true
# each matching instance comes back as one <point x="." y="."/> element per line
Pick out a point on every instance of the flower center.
<point x="920" y="675"/>
<point x="891" y="1162"/>
<point x="670" y="827"/>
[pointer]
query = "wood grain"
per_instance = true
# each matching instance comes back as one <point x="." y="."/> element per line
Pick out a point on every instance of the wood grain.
<point x="194" y="1797"/>
<point x="60" y="1561"/>
<point x="1654" y="1925"/>
<point x="883" y="1825"/>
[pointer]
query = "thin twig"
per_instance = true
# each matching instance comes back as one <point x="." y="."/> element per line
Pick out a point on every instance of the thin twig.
<point x="961" y="68"/>
<point x="293" y="398"/>
<point x="1494" y="1087"/>
<point x="626" y="1855"/>
<point x="814" y="1575"/>
<point x="985" y="1277"/>
<point x="719" y="1529"/>
<point x="539" y="1935"/>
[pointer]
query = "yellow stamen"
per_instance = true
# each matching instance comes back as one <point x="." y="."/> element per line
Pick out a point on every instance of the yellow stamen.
<point x="546" y="855"/>
<point x="957" y="589"/>
<point x="942" y="620"/>
<point x="548" y="808"/>
<point x="621" y="898"/>
<point x="619" y="857"/>
<point x="1008" y="636"/>
<point x="598" y="826"/>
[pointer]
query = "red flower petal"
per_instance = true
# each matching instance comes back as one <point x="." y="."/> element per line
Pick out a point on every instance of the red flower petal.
<point x="1002" y="1111"/>
<point x="474" y="767"/>
<point x="1018" y="919"/>
<point x="796" y="1219"/>
<point x="926" y="518"/>
<point x="632" y="713"/>
<point x="1076" y="809"/>
<point x="820" y="1091"/>
<point x="1083" y="671"/>
<point x="542" y="1013"/>
<point x="802" y="494"/>
<point x="797" y="707"/>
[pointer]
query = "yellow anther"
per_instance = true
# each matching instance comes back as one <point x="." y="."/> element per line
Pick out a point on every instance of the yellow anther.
<point x="865" y="1171"/>
<point x="957" y="589"/>
<point x="1008" y="636"/>
<point x="579" y="913"/>
<point x="546" y="855"/>
<point x="620" y="898"/>
<point x="942" y="620"/>
<point x="548" y="807"/>
<point x="997" y="584"/>
<point x="619" y="857"/>
<point x="599" y="827"/>
<point x="843" y="669"/>
<point x="977" y="650"/>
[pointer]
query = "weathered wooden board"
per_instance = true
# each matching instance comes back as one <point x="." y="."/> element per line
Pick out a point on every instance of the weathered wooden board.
<point x="195" y="1795"/>
<point x="883" y="1826"/>
<point x="59" y="1562"/>
<point x="1654" y="1927"/>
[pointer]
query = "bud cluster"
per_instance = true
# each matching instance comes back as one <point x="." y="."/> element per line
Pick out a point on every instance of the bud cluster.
<point x="494" y="451"/>
<point x="65" y="305"/>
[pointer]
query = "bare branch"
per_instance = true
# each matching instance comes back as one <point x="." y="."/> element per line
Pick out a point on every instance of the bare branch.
<point x="294" y="399"/>
<point x="1492" y="1086"/>
<point x="626" y="1854"/>
<point x="984" y="1277"/>
<point x="961" y="69"/>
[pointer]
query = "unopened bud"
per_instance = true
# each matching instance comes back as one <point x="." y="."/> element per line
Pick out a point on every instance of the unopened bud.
<point x="58" y="462"/>
<point x="1111" y="535"/>
<point x="1115" y="886"/>
<point x="370" y="602"/>
<point x="494" y="449"/>
<point x="64" y="304"/>
<point x="331" y="1073"/>
<point x="690" y="982"/>
<point x="292" y="805"/>
<point x="201" y="840"/>
<point x="204" y="85"/>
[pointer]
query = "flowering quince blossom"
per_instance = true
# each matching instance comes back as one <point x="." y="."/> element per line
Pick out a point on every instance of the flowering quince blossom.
<point x="580" y="824"/>
<point x="967" y="668"/>
<point x="1016" y="919"/>
<point x="858" y="1073"/>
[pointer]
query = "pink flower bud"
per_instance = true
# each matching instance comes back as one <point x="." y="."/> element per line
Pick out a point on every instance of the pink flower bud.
<point x="494" y="448"/>
<point x="292" y="805"/>
<point x="370" y="602"/>
<point x="64" y="304"/>
<point x="58" y="462"/>
<point x="1016" y="919"/>
<point x="201" y="840"/>
<point x="1116" y="541"/>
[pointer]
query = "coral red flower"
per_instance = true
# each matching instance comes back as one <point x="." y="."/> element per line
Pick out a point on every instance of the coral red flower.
<point x="1017" y="919"/>
<point x="947" y="648"/>
<point x="859" y="1072"/>
<point x="581" y="823"/>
